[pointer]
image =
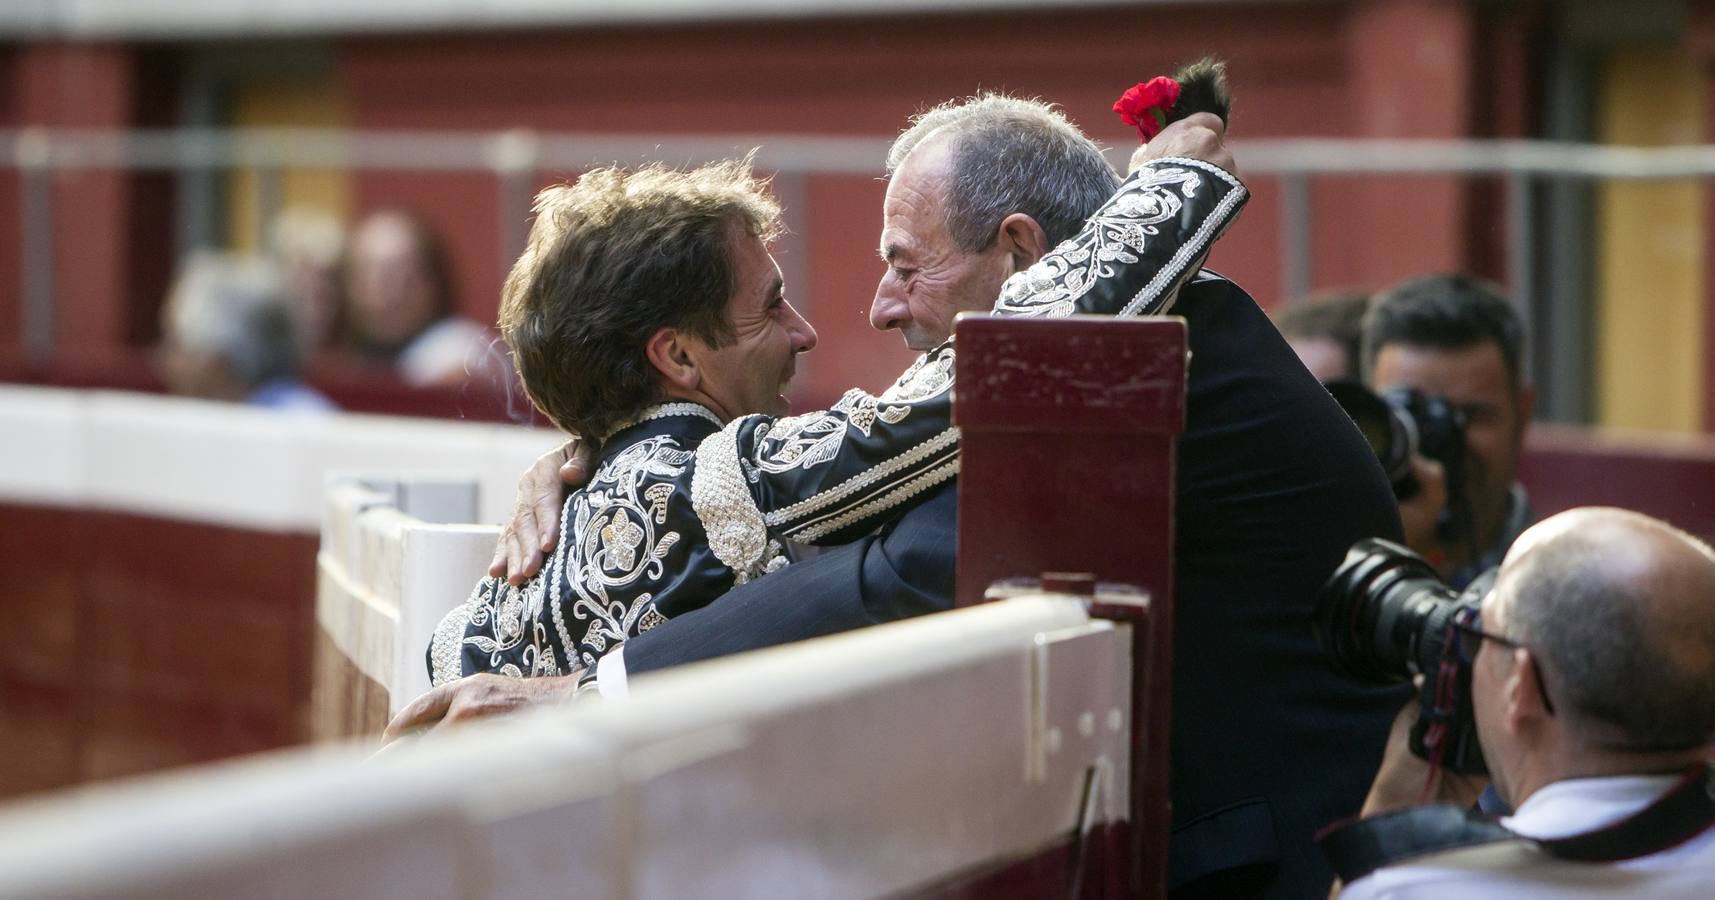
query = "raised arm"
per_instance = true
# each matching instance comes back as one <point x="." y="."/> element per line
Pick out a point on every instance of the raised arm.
<point x="1139" y="247"/>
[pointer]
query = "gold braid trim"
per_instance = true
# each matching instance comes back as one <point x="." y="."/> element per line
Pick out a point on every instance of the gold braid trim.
<point x="722" y="500"/>
<point x="444" y="662"/>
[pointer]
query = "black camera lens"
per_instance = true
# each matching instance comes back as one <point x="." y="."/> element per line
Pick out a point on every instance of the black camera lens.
<point x="1370" y="614"/>
<point x="1386" y="616"/>
<point x="1438" y="432"/>
<point x="1401" y="422"/>
<point x="1391" y="435"/>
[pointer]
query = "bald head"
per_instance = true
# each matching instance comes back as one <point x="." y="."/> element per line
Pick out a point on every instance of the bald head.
<point x="1620" y="609"/>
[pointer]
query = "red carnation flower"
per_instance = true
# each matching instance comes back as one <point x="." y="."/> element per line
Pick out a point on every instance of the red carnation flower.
<point x="1145" y="106"/>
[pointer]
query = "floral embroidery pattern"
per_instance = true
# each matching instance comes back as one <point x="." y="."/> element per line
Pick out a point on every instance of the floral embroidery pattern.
<point x="807" y="441"/>
<point x="930" y="375"/>
<point x="1117" y="233"/>
<point x="615" y="539"/>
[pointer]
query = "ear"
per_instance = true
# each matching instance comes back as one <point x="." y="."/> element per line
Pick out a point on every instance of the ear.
<point x="1524" y="692"/>
<point x="1023" y="240"/>
<point x="668" y="351"/>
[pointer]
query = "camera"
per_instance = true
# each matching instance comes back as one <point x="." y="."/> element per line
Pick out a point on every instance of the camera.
<point x="1401" y="421"/>
<point x="1385" y="616"/>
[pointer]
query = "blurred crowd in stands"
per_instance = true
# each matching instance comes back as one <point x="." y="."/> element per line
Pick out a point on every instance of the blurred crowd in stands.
<point x="378" y="302"/>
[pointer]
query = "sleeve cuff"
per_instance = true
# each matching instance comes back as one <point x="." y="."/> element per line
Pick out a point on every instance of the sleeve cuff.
<point x="610" y="675"/>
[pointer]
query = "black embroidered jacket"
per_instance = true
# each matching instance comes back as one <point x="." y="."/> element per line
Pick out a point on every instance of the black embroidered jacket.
<point x="681" y="508"/>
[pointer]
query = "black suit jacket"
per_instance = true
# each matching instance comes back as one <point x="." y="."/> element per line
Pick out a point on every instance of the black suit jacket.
<point x="1275" y="483"/>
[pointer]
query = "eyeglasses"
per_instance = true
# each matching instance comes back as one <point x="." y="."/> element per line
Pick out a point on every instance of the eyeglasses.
<point x="1468" y="625"/>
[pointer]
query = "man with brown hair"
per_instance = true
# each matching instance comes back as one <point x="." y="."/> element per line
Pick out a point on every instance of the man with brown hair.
<point x="647" y="315"/>
<point x="1327" y="333"/>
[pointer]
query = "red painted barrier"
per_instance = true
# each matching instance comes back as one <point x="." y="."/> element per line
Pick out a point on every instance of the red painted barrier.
<point x="1045" y="407"/>
<point x="140" y="643"/>
<point x="1667" y="476"/>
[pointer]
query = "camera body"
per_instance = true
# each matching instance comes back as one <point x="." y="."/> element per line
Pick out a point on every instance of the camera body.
<point x="1386" y="616"/>
<point x="1438" y="429"/>
<point x="1402" y="421"/>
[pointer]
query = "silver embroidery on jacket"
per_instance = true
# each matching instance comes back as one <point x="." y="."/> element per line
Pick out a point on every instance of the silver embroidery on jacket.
<point x="911" y="487"/>
<point x="615" y="540"/>
<point x="881" y="472"/>
<point x="661" y="411"/>
<point x="804" y="442"/>
<point x="511" y="620"/>
<point x="1117" y="233"/>
<point x="930" y="375"/>
<point x="444" y="664"/>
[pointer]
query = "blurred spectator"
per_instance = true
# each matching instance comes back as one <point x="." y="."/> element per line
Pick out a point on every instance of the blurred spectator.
<point x="309" y="247"/>
<point x="231" y="332"/>
<point x="1327" y="333"/>
<point x="400" y="287"/>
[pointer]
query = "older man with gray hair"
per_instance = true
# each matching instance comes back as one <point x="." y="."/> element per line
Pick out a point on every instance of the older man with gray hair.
<point x="230" y="331"/>
<point x="978" y="190"/>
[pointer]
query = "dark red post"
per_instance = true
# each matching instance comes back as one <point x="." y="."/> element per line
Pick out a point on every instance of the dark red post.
<point x="1067" y="465"/>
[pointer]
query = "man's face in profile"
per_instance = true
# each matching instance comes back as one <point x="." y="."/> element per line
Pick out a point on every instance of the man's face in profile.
<point x="748" y="373"/>
<point x="929" y="280"/>
<point x="1474" y="378"/>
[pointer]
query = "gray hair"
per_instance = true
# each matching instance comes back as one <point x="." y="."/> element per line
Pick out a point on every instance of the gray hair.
<point x="239" y="309"/>
<point x="1012" y="156"/>
<point x="1606" y="655"/>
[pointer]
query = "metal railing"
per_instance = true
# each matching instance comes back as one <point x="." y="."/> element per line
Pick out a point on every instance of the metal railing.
<point x="516" y="158"/>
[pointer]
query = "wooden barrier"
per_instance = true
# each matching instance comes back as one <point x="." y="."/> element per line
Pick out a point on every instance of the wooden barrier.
<point x="1050" y="410"/>
<point x="909" y="758"/>
<point x="995" y="750"/>
<point x="1669" y="477"/>
<point x="354" y="388"/>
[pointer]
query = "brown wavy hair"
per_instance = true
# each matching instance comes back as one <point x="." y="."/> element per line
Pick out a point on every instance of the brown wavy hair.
<point x="611" y="260"/>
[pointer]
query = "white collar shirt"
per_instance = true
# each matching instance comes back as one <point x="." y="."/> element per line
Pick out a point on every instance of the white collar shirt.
<point x="1518" y="869"/>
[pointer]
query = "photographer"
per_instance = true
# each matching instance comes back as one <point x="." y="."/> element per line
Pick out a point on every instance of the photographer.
<point x="1592" y="682"/>
<point x="1459" y="344"/>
